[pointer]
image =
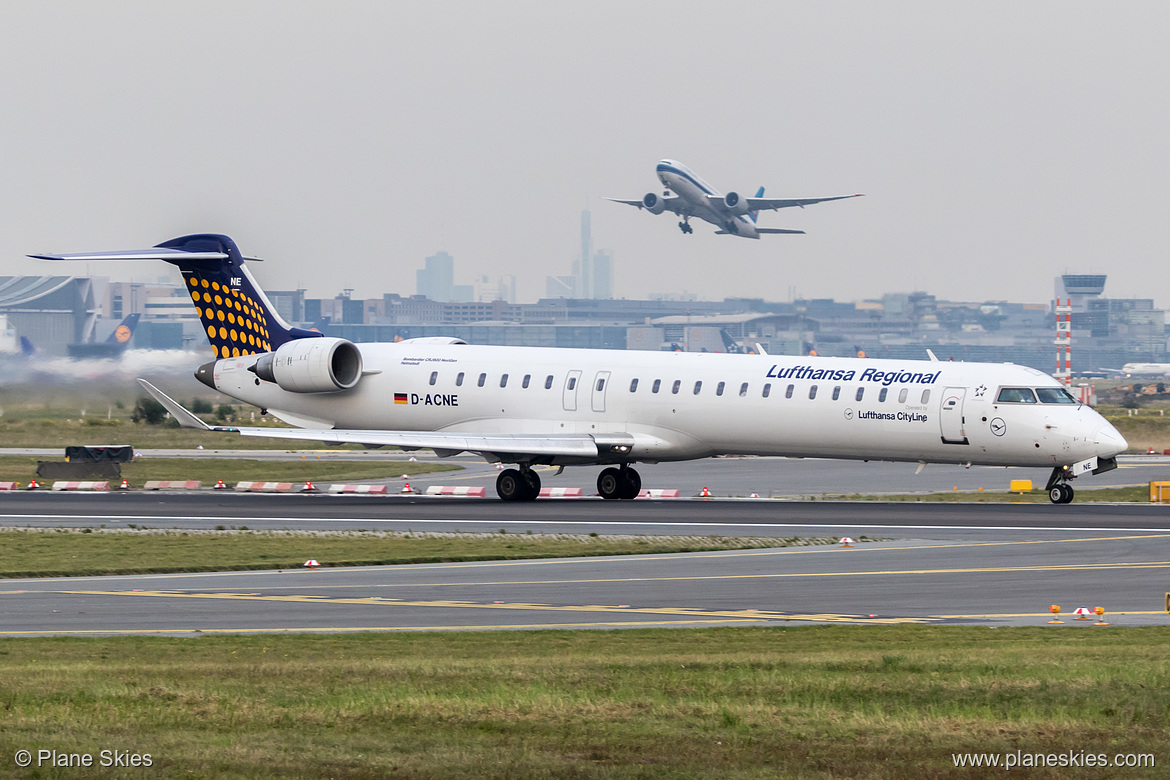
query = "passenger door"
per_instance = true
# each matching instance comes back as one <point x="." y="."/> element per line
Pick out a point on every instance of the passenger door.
<point x="600" y="385"/>
<point x="570" y="392"/>
<point x="950" y="416"/>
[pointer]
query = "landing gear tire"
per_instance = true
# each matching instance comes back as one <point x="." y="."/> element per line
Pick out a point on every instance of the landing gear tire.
<point x="514" y="485"/>
<point x="532" y="484"/>
<point x="623" y="483"/>
<point x="1061" y="494"/>
<point x="609" y="483"/>
<point x="685" y="227"/>
<point x="631" y="484"/>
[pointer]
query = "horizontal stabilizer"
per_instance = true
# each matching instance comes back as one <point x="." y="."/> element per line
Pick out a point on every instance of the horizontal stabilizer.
<point x="156" y="253"/>
<point x="778" y="230"/>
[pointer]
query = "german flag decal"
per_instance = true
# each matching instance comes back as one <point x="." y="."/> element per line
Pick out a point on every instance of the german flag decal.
<point x="400" y="398"/>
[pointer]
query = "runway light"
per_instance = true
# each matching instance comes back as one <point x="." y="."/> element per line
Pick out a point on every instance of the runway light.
<point x="1100" y="611"/>
<point x="1055" y="610"/>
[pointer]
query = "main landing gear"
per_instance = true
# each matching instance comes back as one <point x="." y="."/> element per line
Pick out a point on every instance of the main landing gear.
<point x="1059" y="491"/>
<point x="623" y="483"/>
<point x="685" y="226"/>
<point x="522" y="484"/>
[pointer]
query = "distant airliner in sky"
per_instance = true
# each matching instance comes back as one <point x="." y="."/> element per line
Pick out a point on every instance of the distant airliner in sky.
<point x="732" y="213"/>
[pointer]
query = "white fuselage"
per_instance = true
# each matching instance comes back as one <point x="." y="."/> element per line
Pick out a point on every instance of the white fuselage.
<point x="679" y="406"/>
<point x="685" y="183"/>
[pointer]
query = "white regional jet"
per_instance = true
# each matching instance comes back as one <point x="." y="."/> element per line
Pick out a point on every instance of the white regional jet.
<point x="568" y="407"/>
<point x="732" y="213"/>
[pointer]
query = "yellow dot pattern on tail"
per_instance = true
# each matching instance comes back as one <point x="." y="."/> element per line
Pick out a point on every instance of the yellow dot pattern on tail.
<point x="235" y="323"/>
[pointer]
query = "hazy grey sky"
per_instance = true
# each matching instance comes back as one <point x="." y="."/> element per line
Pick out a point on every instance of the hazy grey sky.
<point x="998" y="143"/>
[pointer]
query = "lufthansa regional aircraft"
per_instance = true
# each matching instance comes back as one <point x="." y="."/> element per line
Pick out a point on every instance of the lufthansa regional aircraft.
<point x="533" y="406"/>
<point x="732" y="213"/>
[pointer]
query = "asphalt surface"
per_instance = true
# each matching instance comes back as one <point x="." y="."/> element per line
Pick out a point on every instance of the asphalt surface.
<point x="993" y="564"/>
<point x="767" y="477"/>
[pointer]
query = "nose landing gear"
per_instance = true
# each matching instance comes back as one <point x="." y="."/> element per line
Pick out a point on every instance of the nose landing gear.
<point x="1059" y="491"/>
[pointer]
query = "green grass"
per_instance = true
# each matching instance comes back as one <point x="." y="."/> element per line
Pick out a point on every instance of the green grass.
<point x="15" y="468"/>
<point x="76" y="552"/>
<point x="1109" y="495"/>
<point x="812" y="702"/>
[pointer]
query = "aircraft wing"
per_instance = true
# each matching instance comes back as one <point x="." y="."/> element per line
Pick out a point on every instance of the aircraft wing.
<point x="443" y="443"/>
<point x="771" y="204"/>
<point x="674" y="203"/>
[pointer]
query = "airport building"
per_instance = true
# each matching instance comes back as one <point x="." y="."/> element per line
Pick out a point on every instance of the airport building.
<point x="54" y="312"/>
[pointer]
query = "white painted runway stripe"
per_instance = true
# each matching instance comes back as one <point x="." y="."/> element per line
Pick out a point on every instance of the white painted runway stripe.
<point x="616" y="523"/>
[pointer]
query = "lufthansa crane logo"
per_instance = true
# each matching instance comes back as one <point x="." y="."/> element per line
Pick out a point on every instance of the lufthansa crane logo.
<point x="122" y="334"/>
<point x="998" y="426"/>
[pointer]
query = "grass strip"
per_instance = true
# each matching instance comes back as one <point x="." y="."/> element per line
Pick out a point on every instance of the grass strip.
<point x="1136" y="494"/>
<point x="810" y="702"/>
<point x="94" y="552"/>
<point x="21" y="469"/>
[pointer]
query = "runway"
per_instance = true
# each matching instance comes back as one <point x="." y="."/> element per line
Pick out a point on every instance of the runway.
<point x="994" y="565"/>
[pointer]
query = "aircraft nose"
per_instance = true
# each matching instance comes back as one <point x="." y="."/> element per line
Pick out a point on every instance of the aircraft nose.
<point x="1109" y="442"/>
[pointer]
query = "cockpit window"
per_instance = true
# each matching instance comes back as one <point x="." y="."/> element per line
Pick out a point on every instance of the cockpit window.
<point x="1016" y="395"/>
<point x="1055" y="395"/>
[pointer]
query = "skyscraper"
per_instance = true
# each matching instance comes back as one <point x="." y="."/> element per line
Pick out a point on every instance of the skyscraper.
<point x="586" y="256"/>
<point x="603" y="274"/>
<point x="437" y="279"/>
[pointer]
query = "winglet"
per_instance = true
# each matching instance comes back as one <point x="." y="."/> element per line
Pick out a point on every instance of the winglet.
<point x="933" y="359"/>
<point x="182" y="416"/>
<point x="760" y="349"/>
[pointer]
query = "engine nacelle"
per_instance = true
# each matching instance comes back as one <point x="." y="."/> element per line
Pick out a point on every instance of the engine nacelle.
<point x="653" y="203"/>
<point x="316" y="365"/>
<point x="734" y="203"/>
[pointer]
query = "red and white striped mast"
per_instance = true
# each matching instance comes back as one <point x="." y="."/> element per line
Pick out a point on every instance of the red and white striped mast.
<point x="1063" y="341"/>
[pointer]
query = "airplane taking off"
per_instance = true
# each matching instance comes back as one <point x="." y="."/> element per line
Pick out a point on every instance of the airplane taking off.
<point x="566" y="407"/>
<point x="732" y="213"/>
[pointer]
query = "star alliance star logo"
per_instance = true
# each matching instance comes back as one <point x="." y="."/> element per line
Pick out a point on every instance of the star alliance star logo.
<point x="979" y="391"/>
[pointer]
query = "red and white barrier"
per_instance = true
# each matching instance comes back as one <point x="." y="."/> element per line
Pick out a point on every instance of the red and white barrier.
<point x="658" y="493"/>
<point x="266" y="487"/>
<point x="560" y="493"/>
<point x="375" y="489"/>
<point x="172" y="484"/>
<point x="81" y="486"/>
<point x="9" y="486"/>
<point x="449" y="490"/>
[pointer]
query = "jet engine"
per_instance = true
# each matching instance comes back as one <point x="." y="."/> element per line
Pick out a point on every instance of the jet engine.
<point x="318" y="365"/>
<point x="653" y="203"/>
<point x="734" y="203"/>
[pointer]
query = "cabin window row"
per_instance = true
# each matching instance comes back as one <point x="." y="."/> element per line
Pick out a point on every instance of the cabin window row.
<point x="1007" y="395"/>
